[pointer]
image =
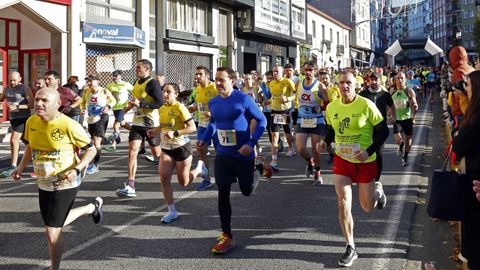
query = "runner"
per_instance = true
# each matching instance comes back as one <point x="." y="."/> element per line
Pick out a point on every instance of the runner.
<point x="431" y="77"/>
<point x="310" y="120"/>
<point x="204" y="92"/>
<point x="384" y="102"/>
<point x="69" y="98"/>
<point x="175" y="125"/>
<point x="147" y="98"/>
<point x="414" y="84"/>
<point x="19" y="100"/>
<point x="282" y="92"/>
<point x="357" y="127"/>
<point x="96" y="101"/>
<point x="230" y="115"/>
<point x="52" y="139"/>
<point x="120" y="91"/>
<point x="333" y="93"/>
<point x="405" y="109"/>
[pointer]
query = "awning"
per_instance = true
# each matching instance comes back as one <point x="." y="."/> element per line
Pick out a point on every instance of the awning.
<point x="394" y="49"/>
<point x="432" y="48"/>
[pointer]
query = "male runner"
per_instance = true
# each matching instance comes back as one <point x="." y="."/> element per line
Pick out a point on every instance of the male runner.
<point x="52" y="140"/>
<point x="204" y="92"/>
<point x="20" y="100"/>
<point x="357" y="127"/>
<point x="310" y="120"/>
<point x="120" y="91"/>
<point x="231" y="112"/>
<point x="405" y="108"/>
<point x="147" y="98"/>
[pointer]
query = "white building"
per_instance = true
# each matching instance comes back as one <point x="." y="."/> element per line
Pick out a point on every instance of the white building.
<point x="330" y="39"/>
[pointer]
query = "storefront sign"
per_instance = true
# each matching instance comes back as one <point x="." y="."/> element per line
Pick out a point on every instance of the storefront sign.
<point x="270" y="48"/>
<point x="113" y="34"/>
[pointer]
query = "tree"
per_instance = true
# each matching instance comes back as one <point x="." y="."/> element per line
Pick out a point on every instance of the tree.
<point x="476" y="33"/>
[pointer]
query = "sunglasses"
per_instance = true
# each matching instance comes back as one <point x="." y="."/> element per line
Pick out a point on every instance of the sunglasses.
<point x="308" y="69"/>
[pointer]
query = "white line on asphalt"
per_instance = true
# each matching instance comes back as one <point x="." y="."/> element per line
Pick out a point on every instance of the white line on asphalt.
<point x="390" y="234"/>
<point x="114" y="231"/>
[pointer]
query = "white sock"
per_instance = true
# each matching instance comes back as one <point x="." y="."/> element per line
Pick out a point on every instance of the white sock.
<point x="200" y="165"/>
<point x="351" y="244"/>
<point x="171" y="208"/>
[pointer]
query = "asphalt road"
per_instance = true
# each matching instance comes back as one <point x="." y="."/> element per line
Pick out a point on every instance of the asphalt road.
<point x="286" y="224"/>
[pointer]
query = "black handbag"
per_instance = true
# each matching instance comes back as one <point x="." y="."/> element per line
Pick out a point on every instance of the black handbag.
<point x="448" y="193"/>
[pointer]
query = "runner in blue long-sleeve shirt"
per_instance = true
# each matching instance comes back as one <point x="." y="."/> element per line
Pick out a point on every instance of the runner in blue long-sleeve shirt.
<point x="231" y="113"/>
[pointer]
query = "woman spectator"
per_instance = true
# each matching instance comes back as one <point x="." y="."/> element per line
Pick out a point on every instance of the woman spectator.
<point x="462" y="145"/>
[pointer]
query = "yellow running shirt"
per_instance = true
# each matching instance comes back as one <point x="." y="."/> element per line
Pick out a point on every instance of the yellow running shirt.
<point x="353" y="124"/>
<point x="144" y="117"/>
<point x="333" y="92"/>
<point x="278" y="89"/>
<point x="204" y="94"/>
<point x="173" y="117"/>
<point x="53" y="147"/>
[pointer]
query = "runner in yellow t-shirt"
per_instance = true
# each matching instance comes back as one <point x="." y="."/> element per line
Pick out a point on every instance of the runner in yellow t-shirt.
<point x="205" y="91"/>
<point x="357" y="127"/>
<point x="51" y="140"/>
<point x="175" y="125"/>
<point x="282" y="92"/>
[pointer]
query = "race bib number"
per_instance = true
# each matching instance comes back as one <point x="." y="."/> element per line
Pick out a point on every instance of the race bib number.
<point x="202" y="107"/>
<point x="45" y="170"/>
<point x="203" y="122"/>
<point x="347" y="150"/>
<point x="308" y="123"/>
<point x="280" y="119"/>
<point x="227" y="137"/>
<point x="277" y="98"/>
<point x="400" y="103"/>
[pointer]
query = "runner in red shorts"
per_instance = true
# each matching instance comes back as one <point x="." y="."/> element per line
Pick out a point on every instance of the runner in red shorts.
<point x="357" y="127"/>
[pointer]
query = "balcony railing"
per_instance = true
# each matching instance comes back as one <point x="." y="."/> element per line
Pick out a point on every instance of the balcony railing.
<point x="340" y="50"/>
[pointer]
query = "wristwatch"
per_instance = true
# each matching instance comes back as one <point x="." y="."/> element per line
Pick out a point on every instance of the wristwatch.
<point x="175" y="133"/>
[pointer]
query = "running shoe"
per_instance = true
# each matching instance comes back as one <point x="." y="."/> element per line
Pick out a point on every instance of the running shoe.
<point x="256" y="179"/>
<point x="205" y="184"/>
<point x="404" y="161"/>
<point x="142" y="151"/>
<point x="309" y="169"/>
<point x="382" y="200"/>
<point x="168" y="218"/>
<point x="127" y="191"/>
<point x="110" y="148"/>
<point x="97" y="214"/>
<point x="33" y="175"/>
<point x="8" y="171"/>
<point x="274" y="165"/>
<point x="151" y="159"/>
<point x="92" y="168"/>
<point x="349" y="256"/>
<point x="317" y="179"/>
<point x="224" y="245"/>
<point x="291" y="153"/>
<point x="260" y="150"/>
<point x="204" y="173"/>
<point x="118" y="140"/>
<point x="113" y="137"/>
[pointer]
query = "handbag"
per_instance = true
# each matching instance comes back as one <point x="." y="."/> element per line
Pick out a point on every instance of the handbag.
<point x="448" y="192"/>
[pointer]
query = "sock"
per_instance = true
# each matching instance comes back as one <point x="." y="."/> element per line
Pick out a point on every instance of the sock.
<point x="131" y="183"/>
<point x="351" y="244"/>
<point x="171" y="208"/>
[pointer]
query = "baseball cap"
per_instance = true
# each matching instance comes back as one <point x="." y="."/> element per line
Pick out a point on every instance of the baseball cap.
<point x="117" y="72"/>
<point x="410" y="72"/>
<point x="92" y="77"/>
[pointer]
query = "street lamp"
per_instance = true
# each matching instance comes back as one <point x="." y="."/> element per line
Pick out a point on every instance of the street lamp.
<point x="458" y="36"/>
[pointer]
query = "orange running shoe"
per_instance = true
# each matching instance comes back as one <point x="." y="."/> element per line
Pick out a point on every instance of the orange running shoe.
<point x="224" y="245"/>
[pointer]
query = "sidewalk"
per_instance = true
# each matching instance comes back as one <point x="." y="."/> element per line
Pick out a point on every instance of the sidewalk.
<point x="431" y="240"/>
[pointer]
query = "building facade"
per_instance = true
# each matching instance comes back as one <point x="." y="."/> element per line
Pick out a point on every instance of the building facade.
<point x="330" y="46"/>
<point x="468" y="13"/>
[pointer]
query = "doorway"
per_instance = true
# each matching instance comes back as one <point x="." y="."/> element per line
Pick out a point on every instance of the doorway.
<point x="35" y="64"/>
<point x="249" y="62"/>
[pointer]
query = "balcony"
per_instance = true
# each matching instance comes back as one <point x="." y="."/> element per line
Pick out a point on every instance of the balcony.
<point x="340" y="50"/>
<point x="327" y="44"/>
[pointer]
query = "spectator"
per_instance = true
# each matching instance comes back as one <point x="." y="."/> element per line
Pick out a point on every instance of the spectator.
<point x="462" y="146"/>
<point x="70" y="101"/>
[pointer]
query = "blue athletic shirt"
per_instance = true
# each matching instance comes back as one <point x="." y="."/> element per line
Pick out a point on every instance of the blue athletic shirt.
<point x="230" y="124"/>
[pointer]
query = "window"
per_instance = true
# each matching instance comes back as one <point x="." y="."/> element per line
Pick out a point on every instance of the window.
<point x="187" y="16"/>
<point x="323" y="32"/>
<point x="472" y="14"/>
<point x="115" y="9"/>
<point x="314" y="29"/>
<point x="152" y="28"/>
<point x="465" y="15"/>
<point x="331" y="35"/>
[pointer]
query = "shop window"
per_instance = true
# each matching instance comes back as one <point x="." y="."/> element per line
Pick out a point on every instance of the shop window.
<point x="12" y="34"/>
<point x="187" y="16"/>
<point x="3" y="32"/>
<point x="279" y="61"/>
<point x="122" y="15"/>
<point x="115" y="9"/>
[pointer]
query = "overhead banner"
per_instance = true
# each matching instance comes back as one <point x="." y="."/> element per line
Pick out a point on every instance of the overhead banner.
<point x="113" y="34"/>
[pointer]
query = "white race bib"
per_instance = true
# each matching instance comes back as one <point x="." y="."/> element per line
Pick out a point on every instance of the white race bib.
<point x="347" y="150"/>
<point x="227" y="137"/>
<point x="280" y="119"/>
<point x="45" y="170"/>
<point x="202" y="107"/>
<point x="308" y="123"/>
<point x="400" y="103"/>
